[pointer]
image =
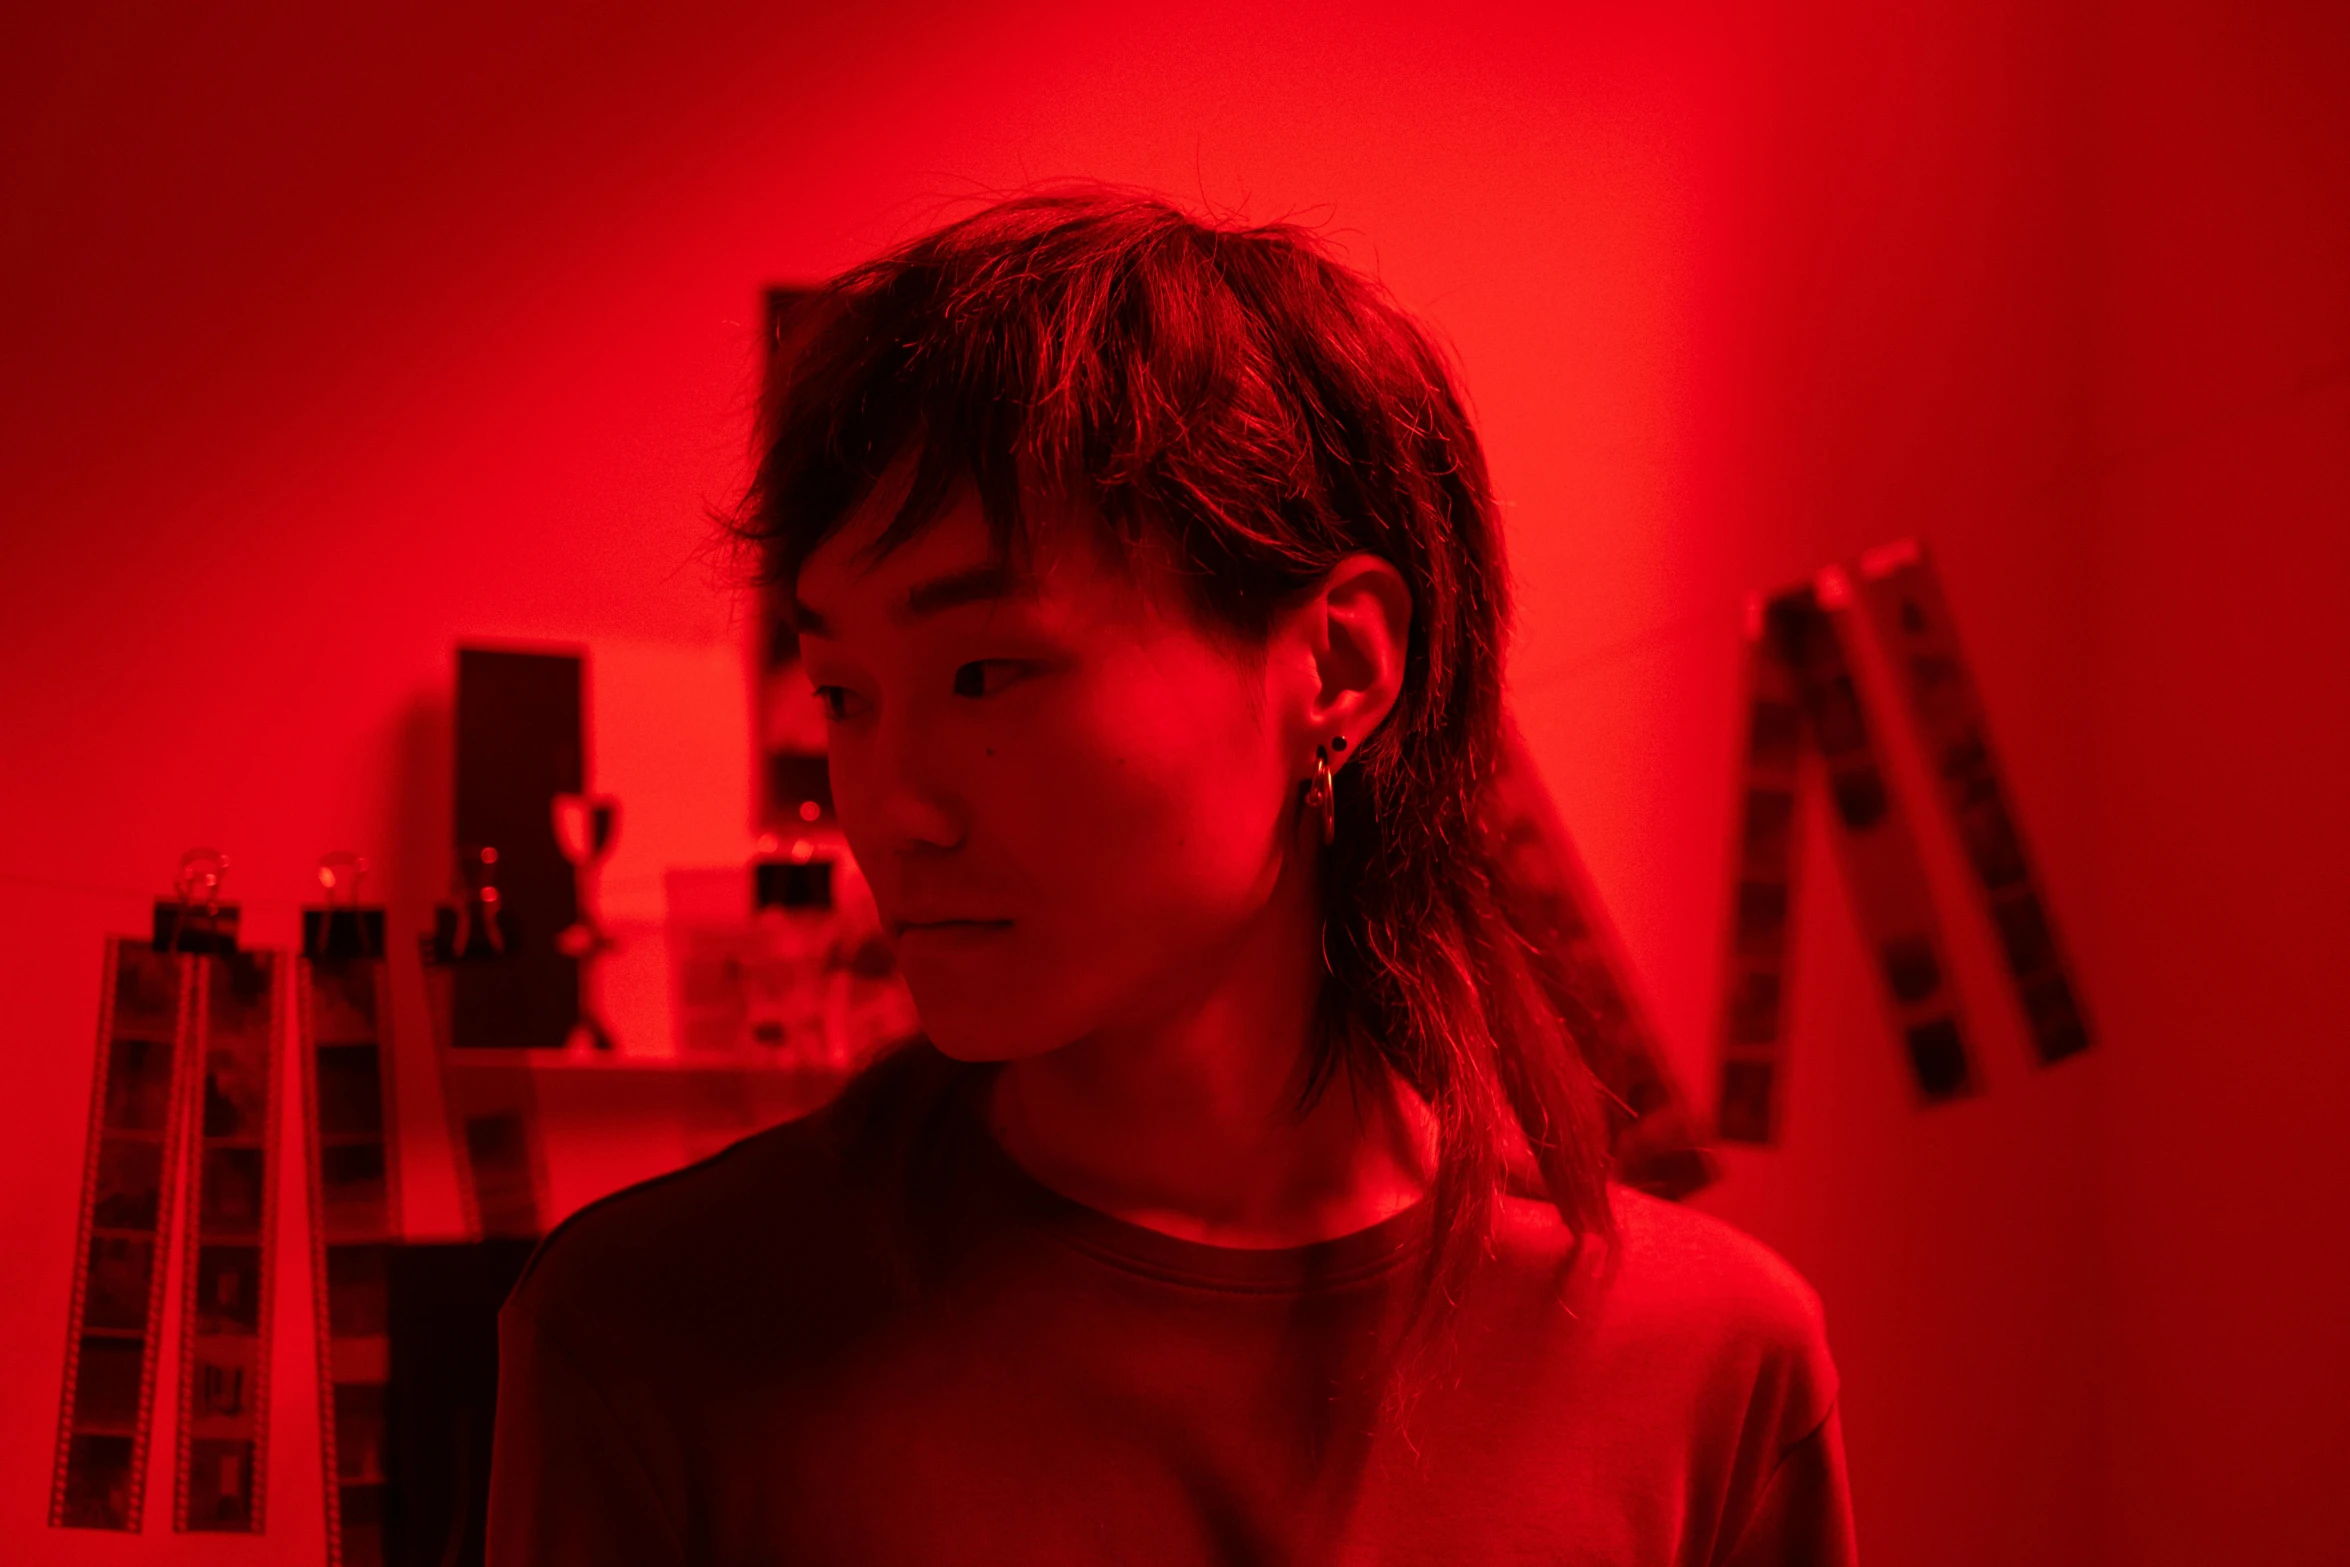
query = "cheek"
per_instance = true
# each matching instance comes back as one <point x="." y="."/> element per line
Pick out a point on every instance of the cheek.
<point x="1132" y="841"/>
<point x="1145" y="838"/>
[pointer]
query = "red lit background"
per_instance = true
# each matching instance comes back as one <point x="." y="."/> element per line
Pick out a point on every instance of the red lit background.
<point x="329" y="341"/>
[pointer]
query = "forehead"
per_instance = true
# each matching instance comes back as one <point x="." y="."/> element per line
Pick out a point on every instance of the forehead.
<point x="1058" y="565"/>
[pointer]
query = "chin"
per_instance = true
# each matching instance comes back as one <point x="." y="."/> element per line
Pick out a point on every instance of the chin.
<point x="975" y="1029"/>
<point x="964" y="1040"/>
<point x="977" y="998"/>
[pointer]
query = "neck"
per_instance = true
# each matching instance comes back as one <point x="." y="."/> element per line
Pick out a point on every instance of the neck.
<point x="1188" y="1125"/>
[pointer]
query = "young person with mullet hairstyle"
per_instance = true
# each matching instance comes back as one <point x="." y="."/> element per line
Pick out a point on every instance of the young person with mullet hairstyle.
<point x="1245" y="1201"/>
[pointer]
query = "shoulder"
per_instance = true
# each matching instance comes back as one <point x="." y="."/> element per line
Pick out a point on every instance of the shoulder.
<point x="678" y="1236"/>
<point x="1687" y="1301"/>
<point x="762" y="1219"/>
<point x="1706" y="1275"/>
<point x="1685" y="1328"/>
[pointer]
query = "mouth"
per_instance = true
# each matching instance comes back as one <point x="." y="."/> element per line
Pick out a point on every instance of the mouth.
<point x="951" y="929"/>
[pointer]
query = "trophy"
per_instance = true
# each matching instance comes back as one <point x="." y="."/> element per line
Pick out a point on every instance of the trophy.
<point x="585" y="825"/>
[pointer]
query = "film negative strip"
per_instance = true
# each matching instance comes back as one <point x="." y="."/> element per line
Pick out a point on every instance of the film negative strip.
<point x="137" y="1120"/>
<point x="343" y="1010"/>
<point x="1753" y="1029"/>
<point x="1654" y="1138"/>
<point x="1812" y="627"/>
<point x="225" y="1321"/>
<point x="1906" y="605"/>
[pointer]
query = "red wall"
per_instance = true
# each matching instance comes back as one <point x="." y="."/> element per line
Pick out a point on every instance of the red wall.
<point x="328" y="342"/>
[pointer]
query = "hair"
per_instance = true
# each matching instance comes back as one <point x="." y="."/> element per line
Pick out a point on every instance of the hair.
<point x="1236" y="401"/>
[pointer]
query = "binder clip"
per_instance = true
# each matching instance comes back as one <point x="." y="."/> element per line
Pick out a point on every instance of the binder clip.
<point x="342" y="929"/>
<point x="195" y="920"/>
<point x="474" y="929"/>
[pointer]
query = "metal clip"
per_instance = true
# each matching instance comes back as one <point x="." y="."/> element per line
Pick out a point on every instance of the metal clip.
<point x="214" y="928"/>
<point x="342" y="929"/>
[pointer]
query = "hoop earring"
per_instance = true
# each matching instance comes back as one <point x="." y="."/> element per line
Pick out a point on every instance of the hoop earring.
<point x="1322" y="789"/>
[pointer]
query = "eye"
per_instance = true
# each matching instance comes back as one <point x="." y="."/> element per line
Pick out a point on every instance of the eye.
<point x="971" y="679"/>
<point x="833" y="697"/>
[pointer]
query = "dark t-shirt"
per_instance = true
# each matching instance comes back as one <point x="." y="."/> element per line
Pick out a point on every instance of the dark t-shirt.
<point x="871" y="1337"/>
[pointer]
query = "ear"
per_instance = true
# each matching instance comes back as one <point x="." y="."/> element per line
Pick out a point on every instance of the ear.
<point x="1357" y="629"/>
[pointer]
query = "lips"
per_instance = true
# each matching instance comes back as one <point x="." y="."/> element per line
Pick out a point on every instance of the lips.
<point x="908" y="927"/>
<point x="950" y="942"/>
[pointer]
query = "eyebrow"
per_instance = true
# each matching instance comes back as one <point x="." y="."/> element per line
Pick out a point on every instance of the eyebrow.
<point x="974" y="585"/>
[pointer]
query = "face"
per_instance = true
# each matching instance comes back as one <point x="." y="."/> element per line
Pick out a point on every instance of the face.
<point x="1071" y="803"/>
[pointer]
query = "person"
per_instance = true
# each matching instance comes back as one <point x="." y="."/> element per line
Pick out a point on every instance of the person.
<point x="1242" y="1200"/>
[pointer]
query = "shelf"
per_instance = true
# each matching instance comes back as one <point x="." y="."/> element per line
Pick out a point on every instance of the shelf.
<point x="601" y="1063"/>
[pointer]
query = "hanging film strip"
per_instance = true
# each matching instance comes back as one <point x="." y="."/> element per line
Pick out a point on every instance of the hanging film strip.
<point x="1802" y="682"/>
<point x="225" y="1321"/>
<point x="1814" y="627"/>
<point x="1762" y="897"/>
<point x="1911" y="615"/>
<point x="1808" y="632"/>
<point x="1653" y="1136"/>
<point x="343" y="1012"/>
<point x="136" y="1125"/>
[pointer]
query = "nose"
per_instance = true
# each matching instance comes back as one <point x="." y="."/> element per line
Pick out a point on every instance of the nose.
<point x="896" y="794"/>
